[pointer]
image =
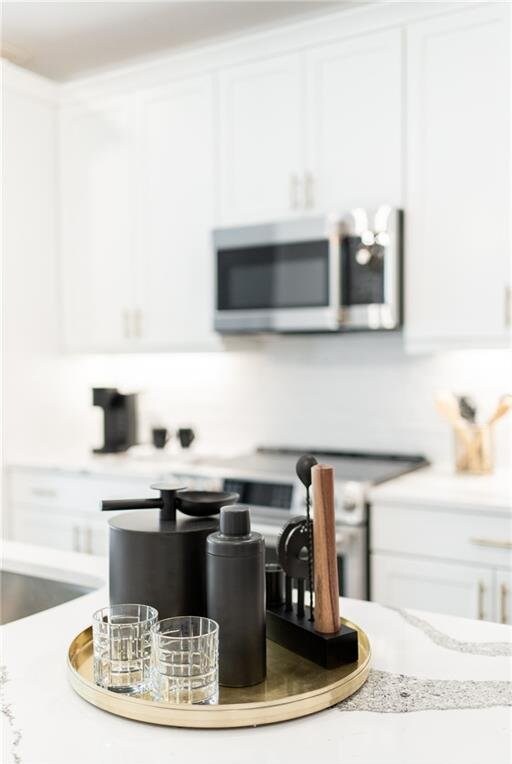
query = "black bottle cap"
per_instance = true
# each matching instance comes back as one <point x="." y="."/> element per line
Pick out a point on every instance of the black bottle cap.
<point x="235" y="520"/>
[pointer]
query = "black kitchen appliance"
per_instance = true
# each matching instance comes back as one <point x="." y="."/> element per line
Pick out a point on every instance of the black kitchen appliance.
<point x="120" y="419"/>
<point x="316" y="274"/>
<point x="158" y="556"/>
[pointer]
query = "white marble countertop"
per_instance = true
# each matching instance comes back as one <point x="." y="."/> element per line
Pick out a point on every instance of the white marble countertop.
<point x="438" y="485"/>
<point x="53" y="725"/>
<point x="140" y="461"/>
<point x="441" y="486"/>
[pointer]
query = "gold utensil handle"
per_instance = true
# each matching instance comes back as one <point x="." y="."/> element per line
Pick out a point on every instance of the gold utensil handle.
<point x="494" y="543"/>
<point x="503" y="603"/>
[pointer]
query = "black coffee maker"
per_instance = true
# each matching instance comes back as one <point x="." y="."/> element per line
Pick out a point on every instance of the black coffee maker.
<point x="158" y="556"/>
<point x="120" y="419"/>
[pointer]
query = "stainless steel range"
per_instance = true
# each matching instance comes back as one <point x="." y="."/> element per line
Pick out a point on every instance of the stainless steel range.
<point x="267" y="482"/>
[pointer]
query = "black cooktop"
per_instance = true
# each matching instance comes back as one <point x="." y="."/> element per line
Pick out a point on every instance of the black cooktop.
<point x="360" y="466"/>
<point x="364" y="466"/>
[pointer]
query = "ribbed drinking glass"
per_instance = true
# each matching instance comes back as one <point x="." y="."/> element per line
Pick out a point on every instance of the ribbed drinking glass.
<point x="122" y="647"/>
<point x="185" y="660"/>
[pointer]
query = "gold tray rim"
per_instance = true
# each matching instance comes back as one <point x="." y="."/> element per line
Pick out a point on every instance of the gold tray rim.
<point x="249" y="714"/>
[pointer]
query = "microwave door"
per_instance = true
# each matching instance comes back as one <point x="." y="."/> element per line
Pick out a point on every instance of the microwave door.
<point x="278" y="286"/>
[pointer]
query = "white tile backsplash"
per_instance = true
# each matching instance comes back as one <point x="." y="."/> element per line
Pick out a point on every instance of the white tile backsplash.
<point x="353" y="392"/>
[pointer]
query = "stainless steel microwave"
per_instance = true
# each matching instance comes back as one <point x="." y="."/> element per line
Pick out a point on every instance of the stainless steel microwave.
<point x="315" y="274"/>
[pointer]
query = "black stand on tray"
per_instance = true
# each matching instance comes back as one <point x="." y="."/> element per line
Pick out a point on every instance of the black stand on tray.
<point x="291" y="627"/>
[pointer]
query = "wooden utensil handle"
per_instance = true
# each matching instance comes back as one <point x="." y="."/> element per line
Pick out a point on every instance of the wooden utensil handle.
<point x="327" y="603"/>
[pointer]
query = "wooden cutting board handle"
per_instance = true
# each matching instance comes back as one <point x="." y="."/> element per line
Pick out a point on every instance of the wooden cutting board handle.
<point x="327" y="602"/>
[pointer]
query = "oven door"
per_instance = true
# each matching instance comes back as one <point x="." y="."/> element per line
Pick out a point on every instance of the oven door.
<point x="351" y="551"/>
<point x="279" y="277"/>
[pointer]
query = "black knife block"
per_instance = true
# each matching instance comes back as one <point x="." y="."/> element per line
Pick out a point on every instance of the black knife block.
<point x="298" y="635"/>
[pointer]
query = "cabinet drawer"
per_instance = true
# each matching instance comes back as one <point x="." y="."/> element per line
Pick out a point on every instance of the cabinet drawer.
<point x="475" y="538"/>
<point x="438" y="587"/>
<point x="70" y="491"/>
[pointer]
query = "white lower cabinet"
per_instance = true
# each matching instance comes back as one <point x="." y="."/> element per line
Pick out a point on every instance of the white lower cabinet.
<point x="31" y="526"/>
<point x="70" y="533"/>
<point x="447" y="560"/>
<point x="406" y="582"/>
<point x="62" y="510"/>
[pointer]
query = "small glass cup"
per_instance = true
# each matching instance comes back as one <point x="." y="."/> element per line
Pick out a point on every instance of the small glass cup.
<point x="185" y="660"/>
<point x="122" y="647"/>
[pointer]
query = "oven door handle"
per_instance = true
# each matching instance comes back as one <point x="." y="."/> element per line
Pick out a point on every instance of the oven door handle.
<point x="271" y="533"/>
<point x="344" y="540"/>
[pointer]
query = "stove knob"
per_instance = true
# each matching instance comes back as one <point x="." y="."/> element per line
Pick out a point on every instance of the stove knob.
<point x="349" y="505"/>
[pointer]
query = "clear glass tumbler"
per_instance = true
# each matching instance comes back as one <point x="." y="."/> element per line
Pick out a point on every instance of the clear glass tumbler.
<point x="185" y="660"/>
<point x="122" y="647"/>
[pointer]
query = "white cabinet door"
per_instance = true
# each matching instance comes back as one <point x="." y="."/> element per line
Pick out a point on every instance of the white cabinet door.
<point x="407" y="582"/>
<point x="59" y="531"/>
<point x="261" y="140"/>
<point x="504" y="596"/>
<point x="175" y="285"/>
<point x="97" y="224"/>
<point x="94" y="537"/>
<point x="46" y="529"/>
<point x="458" y="253"/>
<point x="355" y="122"/>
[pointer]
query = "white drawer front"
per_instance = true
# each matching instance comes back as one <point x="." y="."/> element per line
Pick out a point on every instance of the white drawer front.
<point x="71" y="491"/>
<point x="447" y="535"/>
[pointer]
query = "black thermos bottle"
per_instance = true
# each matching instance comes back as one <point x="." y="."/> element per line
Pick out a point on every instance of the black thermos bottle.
<point x="235" y="574"/>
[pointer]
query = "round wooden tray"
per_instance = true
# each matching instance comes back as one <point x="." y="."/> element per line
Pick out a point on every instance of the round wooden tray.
<point x="294" y="687"/>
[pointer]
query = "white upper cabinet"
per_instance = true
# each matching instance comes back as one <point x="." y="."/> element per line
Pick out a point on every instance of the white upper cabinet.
<point x="417" y="115"/>
<point x="355" y="122"/>
<point x="174" y="270"/>
<point x="458" y="243"/>
<point x="97" y="196"/>
<point x="137" y="203"/>
<point x="261" y="140"/>
<point x="318" y="131"/>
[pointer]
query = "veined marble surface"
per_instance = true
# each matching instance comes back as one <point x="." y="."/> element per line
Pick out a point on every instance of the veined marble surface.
<point x="44" y="722"/>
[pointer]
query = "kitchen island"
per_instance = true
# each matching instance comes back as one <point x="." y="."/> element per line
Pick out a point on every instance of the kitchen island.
<point x="458" y="671"/>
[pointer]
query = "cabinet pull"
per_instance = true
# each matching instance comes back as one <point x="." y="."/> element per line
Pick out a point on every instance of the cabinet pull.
<point x="503" y="603"/>
<point x="48" y="493"/>
<point x="494" y="543"/>
<point x="88" y="540"/>
<point x="127" y="328"/>
<point x="294" y="191"/>
<point x="137" y="323"/>
<point x="508" y="307"/>
<point x="76" y="538"/>
<point x="481" y="596"/>
<point x="309" y="186"/>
